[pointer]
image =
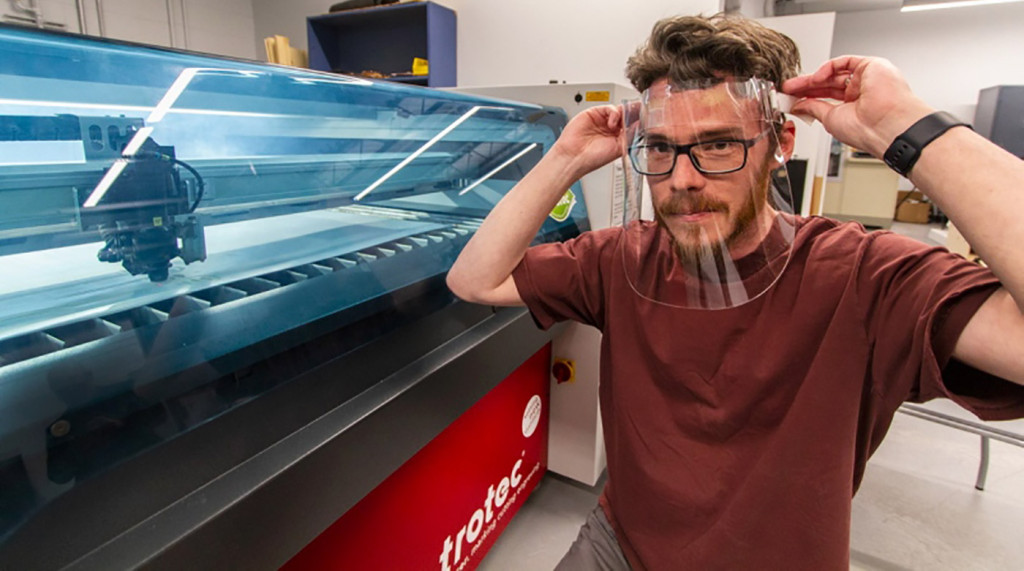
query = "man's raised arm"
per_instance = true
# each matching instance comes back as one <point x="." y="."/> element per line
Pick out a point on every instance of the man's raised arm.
<point x="977" y="184"/>
<point x="483" y="271"/>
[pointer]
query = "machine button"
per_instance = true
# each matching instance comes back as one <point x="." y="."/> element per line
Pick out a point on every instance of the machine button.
<point x="563" y="370"/>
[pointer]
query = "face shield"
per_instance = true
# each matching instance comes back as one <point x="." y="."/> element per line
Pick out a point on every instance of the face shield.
<point x="716" y="229"/>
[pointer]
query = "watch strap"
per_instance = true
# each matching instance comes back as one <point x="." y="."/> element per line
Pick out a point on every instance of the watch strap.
<point x="906" y="149"/>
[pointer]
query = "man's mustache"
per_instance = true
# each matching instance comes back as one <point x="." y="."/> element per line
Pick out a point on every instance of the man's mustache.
<point x="682" y="205"/>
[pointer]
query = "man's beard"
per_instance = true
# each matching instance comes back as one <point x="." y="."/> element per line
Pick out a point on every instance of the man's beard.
<point x="694" y="245"/>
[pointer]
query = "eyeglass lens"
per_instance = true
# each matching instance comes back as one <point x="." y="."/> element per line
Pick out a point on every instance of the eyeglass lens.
<point x="711" y="157"/>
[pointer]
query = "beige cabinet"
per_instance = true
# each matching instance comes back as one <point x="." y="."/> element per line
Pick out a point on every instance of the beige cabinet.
<point x="865" y="191"/>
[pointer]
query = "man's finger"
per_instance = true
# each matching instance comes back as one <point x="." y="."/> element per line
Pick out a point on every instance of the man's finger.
<point x="814" y="107"/>
<point x="795" y="84"/>
<point x="832" y="73"/>
<point x="837" y="93"/>
<point x="614" y="118"/>
<point x="841" y="66"/>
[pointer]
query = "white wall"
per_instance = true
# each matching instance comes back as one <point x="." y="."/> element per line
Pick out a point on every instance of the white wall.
<point x="285" y="18"/>
<point x="946" y="55"/>
<point x="813" y="34"/>
<point x="533" y="41"/>
<point x="502" y="42"/>
<point x="224" y="27"/>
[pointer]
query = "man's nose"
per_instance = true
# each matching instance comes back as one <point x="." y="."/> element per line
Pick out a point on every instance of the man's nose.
<point x="685" y="176"/>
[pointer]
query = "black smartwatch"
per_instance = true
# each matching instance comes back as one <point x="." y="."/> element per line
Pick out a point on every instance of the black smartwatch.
<point x="906" y="149"/>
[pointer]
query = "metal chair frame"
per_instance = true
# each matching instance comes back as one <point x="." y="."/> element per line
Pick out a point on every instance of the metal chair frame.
<point x="983" y="430"/>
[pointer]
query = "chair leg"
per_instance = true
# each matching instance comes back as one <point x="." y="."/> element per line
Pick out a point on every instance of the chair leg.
<point x="983" y="466"/>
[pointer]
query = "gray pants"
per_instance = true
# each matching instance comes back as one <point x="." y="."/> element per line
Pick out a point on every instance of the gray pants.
<point x="595" y="548"/>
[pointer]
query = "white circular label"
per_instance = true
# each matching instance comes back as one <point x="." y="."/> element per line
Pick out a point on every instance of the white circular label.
<point x="531" y="416"/>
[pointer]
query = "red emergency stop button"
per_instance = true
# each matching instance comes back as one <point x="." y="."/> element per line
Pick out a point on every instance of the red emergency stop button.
<point x="563" y="370"/>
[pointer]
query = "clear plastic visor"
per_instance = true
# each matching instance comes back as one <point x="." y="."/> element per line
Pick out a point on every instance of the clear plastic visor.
<point x="708" y="214"/>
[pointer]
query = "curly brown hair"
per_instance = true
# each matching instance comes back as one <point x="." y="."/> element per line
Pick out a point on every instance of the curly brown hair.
<point x="697" y="47"/>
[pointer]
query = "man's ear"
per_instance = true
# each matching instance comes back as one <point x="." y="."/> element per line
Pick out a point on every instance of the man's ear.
<point x="787" y="142"/>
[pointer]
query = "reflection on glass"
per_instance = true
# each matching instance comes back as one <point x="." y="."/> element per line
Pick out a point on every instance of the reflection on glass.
<point x="169" y="220"/>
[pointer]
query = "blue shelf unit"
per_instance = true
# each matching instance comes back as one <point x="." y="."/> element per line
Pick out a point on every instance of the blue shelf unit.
<point x="386" y="39"/>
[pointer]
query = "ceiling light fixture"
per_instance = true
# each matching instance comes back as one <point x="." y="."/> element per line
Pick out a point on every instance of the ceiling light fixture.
<point x="919" y="5"/>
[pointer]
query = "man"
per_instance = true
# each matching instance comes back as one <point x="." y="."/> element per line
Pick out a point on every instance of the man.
<point x="736" y="438"/>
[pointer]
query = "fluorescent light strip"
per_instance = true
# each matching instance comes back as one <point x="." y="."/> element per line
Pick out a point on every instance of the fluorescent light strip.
<point x="159" y="112"/>
<point x="419" y="151"/>
<point x="499" y="169"/>
<point x="184" y="78"/>
<point x="73" y="105"/>
<point x="172" y="95"/>
<point x="105" y="183"/>
<point x="231" y="113"/>
<point x="955" y="4"/>
<point x="331" y="81"/>
<point x="140" y="137"/>
<point x="122" y="108"/>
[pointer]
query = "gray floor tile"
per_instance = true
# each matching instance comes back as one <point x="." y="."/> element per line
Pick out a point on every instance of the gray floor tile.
<point x="540" y="534"/>
<point x="918" y="508"/>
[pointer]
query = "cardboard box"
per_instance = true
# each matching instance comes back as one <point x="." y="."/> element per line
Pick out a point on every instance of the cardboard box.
<point x="911" y="207"/>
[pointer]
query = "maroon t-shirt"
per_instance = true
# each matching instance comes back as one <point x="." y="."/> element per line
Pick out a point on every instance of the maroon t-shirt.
<point x="736" y="438"/>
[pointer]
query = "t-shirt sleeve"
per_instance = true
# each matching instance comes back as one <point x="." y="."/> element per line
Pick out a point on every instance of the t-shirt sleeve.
<point x="917" y="299"/>
<point x="566" y="281"/>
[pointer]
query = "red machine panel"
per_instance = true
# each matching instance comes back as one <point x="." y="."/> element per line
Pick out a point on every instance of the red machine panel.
<point x="445" y="507"/>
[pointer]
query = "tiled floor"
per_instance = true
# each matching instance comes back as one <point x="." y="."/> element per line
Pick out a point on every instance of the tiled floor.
<point x="917" y="507"/>
<point x="919" y="231"/>
<point x="540" y="534"/>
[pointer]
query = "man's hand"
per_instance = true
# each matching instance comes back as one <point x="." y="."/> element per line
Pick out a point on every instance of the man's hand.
<point x="592" y="139"/>
<point x="873" y="102"/>
<point x="483" y="271"/>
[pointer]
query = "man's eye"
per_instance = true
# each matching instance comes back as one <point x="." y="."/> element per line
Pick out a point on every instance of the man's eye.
<point x="719" y="148"/>
<point x="659" y="148"/>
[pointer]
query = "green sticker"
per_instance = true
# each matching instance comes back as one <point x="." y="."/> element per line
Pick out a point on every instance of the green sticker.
<point x="564" y="207"/>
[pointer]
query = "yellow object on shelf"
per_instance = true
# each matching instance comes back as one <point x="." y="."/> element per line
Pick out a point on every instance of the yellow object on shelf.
<point x="279" y="50"/>
<point x="420" y="66"/>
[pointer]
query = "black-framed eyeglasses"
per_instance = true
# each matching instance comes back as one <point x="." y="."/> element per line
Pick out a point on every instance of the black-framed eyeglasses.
<point x="719" y="156"/>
